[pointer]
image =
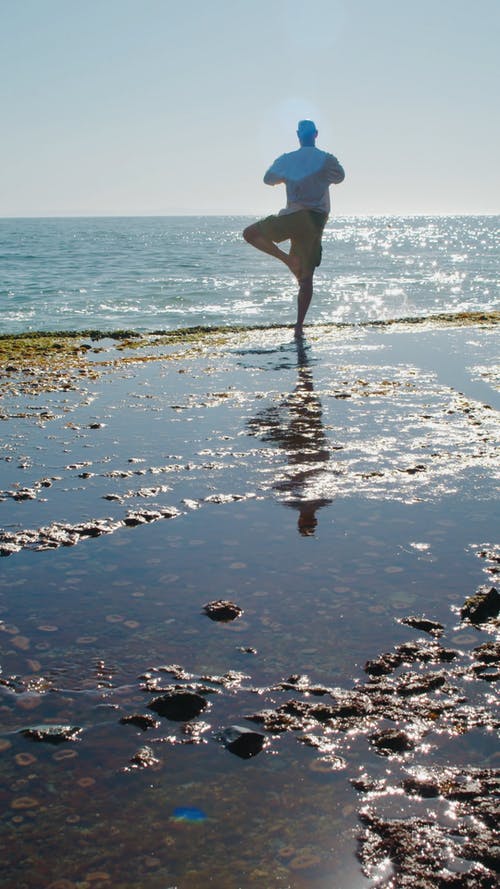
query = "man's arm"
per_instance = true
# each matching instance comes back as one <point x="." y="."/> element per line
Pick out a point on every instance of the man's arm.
<point x="334" y="170"/>
<point x="274" y="175"/>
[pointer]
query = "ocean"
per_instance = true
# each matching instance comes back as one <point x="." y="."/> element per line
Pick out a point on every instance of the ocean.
<point x="165" y="273"/>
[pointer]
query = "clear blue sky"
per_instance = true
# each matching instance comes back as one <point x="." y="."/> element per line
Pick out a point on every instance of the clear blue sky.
<point x="162" y="106"/>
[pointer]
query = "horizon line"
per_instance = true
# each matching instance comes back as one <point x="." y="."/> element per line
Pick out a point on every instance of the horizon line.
<point x="242" y="213"/>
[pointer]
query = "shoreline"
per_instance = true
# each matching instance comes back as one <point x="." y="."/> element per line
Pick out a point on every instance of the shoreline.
<point x="39" y="344"/>
<point x="465" y="318"/>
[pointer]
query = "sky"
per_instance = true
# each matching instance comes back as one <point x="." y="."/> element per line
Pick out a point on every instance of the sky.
<point x="154" y="107"/>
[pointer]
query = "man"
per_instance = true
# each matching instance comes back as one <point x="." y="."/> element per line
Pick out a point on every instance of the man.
<point x="307" y="174"/>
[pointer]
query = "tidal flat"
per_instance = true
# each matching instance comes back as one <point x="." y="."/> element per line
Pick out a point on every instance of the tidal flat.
<point x="342" y="492"/>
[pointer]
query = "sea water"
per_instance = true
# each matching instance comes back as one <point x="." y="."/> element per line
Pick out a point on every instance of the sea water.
<point x="150" y="273"/>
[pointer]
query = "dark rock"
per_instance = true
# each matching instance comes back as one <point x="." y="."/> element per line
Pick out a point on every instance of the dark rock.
<point x="350" y="704"/>
<point x="52" y="734"/>
<point x="422" y="623"/>
<point x="8" y="548"/>
<point x="488" y="653"/>
<point x="412" y="470"/>
<point x="488" y="672"/>
<point x="243" y="741"/>
<point x="144" y="516"/>
<point x="134" y="518"/>
<point x="424" y="787"/>
<point x="232" y="679"/>
<point x="485" y="850"/>
<point x="143" y="759"/>
<point x="92" y="529"/>
<point x="24" y="494"/>
<point x="409" y="652"/>
<point x="392" y="740"/>
<point x="176" y="670"/>
<point x="318" y="712"/>
<point x="222" y="610"/>
<point x="419" y="684"/>
<point x="141" y="721"/>
<point x="368" y="785"/>
<point x="180" y="706"/>
<point x="475" y="878"/>
<point x="277" y="722"/>
<point x="58" y="535"/>
<point x="296" y="682"/>
<point x="482" y="606"/>
<point x="383" y="665"/>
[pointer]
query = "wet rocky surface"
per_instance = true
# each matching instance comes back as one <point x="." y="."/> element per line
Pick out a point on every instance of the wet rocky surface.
<point x="57" y="534"/>
<point x="421" y="852"/>
<point x="373" y="428"/>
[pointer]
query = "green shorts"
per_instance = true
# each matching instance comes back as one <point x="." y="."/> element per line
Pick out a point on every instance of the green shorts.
<point x="304" y="229"/>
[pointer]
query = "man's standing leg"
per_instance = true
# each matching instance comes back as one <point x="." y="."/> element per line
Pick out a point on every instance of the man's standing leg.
<point x="306" y="244"/>
<point x="304" y="297"/>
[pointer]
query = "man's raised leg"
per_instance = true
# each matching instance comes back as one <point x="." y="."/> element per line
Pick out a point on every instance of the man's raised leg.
<point x="254" y="236"/>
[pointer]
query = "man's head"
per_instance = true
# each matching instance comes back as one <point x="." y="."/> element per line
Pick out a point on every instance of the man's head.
<point x="306" y="132"/>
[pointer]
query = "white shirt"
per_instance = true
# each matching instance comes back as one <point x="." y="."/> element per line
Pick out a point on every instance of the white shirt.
<point x="307" y="174"/>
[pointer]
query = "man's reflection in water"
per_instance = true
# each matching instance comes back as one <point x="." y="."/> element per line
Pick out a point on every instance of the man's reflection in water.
<point x="295" y="425"/>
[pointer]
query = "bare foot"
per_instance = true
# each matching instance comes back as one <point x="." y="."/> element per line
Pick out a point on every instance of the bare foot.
<point x="295" y="266"/>
<point x="298" y="332"/>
